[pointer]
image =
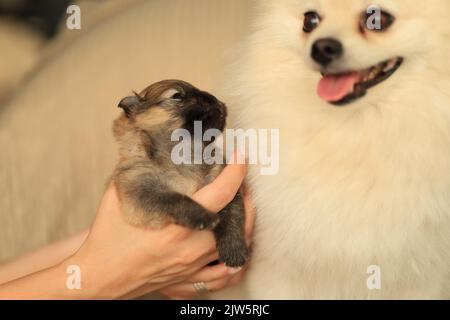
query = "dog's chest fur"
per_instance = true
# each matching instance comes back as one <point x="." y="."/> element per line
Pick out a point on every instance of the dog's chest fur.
<point x="355" y="189"/>
<point x="360" y="186"/>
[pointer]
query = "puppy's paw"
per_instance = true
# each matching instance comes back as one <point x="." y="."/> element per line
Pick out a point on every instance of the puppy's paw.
<point x="203" y="222"/>
<point x="233" y="254"/>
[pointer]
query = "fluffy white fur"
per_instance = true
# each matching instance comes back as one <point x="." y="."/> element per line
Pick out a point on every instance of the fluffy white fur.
<point x="366" y="184"/>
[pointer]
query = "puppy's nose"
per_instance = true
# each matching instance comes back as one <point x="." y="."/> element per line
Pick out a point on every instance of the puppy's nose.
<point x="206" y="98"/>
<point x="325" y="51"/>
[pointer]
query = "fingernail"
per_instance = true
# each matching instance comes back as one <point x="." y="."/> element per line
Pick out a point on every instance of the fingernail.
<point x="234" y="270"/>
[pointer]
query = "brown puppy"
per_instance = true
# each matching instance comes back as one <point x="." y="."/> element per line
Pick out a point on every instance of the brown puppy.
<point x="154" y="191"/>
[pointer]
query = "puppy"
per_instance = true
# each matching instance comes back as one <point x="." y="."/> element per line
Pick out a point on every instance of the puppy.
<point x="153" y="190"/>
<point x="360" y="208"/>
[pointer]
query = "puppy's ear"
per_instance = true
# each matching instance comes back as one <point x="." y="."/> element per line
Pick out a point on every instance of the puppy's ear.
<point x="130" y="104"/>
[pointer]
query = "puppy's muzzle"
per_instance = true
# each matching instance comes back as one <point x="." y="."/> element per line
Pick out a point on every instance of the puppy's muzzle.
<point x="209" y="110"/>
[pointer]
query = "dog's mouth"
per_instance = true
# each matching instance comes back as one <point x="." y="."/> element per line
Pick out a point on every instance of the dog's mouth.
<point x="344" y="88"/>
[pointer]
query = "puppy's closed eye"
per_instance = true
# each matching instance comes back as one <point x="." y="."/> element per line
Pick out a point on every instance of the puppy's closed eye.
<point x="177" y="97"/>
<point x="172" y="94"/>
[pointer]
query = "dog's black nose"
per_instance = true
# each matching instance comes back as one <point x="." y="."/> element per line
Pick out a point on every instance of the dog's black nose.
<point x="206" y="98"/>
<point x="325" y="51"/>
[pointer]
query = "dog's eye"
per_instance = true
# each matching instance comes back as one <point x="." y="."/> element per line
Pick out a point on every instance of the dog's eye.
<point x="311" y="21"/>
<point x="177" y="97"/>
<point x="377" y="20"/>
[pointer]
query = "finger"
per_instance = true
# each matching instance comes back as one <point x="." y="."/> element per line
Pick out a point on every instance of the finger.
<point x="186" y="290"/>
<point x="213" y="273"/>
<point x="209" y="258"/>
<point x="223" y="189"/>
<point x="236" y="279"/>
<point x="215" y="285"/>
<point x="250" y="213"/>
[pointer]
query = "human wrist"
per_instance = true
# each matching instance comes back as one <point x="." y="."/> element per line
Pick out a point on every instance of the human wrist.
<point x="47" y="284"/>
<point x="84" y="280"/>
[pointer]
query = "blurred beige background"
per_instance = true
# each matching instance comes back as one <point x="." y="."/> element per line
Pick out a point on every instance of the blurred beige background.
<point x="58" y="100"/>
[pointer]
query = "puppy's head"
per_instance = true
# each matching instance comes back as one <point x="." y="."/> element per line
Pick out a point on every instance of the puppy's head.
<point x="358" y="45"/>
<point x="173" y="104"/>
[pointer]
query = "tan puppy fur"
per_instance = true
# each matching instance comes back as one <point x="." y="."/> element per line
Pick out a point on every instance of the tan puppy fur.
<point x="57" y="146"/>
<point x="154" y="189"/>
<point x="362" y="185"/>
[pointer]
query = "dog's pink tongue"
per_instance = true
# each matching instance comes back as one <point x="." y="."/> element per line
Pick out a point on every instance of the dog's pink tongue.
<point x="333" y="88"/>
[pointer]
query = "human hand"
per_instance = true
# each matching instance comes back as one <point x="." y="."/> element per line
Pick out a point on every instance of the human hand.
<point x="217" y="277"/>
<point x="121" y="261"/>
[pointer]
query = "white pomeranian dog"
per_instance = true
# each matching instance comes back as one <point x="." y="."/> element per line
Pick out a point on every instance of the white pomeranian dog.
<point x="360" y="208"/>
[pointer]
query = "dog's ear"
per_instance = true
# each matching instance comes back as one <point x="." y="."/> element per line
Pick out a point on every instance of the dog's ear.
<point x="131" y="104"/>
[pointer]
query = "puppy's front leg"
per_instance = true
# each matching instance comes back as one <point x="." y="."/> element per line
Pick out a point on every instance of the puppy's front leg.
<point x="151" y="200"/>
<point x="230" y="234"/>
<point x="183" y="210"/>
